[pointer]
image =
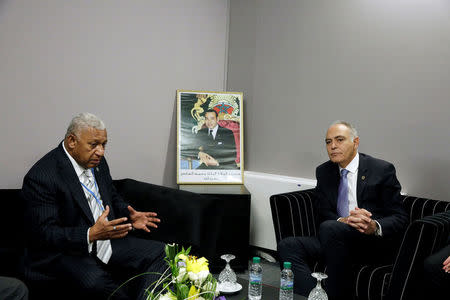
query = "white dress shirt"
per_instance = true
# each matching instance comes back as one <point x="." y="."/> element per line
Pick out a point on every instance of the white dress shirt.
<point x="214" y="131"/>
<point x="352" y="180"/>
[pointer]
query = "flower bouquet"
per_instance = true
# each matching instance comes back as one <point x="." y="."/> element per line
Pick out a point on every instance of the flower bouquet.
<point x="187" y="277"/>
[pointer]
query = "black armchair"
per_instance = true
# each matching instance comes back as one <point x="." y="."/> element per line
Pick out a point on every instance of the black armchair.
<point x="187" y="218"/>
<point x="423" y="237"/>
<point x="295" y="214"/>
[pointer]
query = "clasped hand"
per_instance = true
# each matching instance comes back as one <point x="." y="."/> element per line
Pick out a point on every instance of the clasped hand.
<point x="117" y="228"/>
<point x="361" y="220"/>
<point x="207" y="159"/>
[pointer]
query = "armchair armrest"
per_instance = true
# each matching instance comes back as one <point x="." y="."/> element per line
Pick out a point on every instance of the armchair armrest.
<point x="294" y="214"/>
<point x="422" y="238"/>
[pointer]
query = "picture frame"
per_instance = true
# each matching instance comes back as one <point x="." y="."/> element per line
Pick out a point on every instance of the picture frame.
<point x="210" y="144"/>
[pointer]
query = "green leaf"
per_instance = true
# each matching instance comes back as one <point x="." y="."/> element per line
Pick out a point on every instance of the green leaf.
<point x="183" y="291"/>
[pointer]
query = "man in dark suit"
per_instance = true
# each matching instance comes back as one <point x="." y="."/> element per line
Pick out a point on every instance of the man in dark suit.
<point x="216" y="145"/>
<point x="79" y="225"/>
<point x="360" y="215"/>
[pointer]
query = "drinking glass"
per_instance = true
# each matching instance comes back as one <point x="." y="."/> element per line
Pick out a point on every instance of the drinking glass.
<point x="227" y="276"/>
<point x="318" y="293"/>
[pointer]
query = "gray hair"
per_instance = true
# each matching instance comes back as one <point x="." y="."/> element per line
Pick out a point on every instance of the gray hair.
<point x="83" y="121"/>
<point x="353" y="132"/>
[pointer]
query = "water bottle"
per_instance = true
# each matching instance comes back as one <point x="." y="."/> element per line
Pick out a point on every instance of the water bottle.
<point x="255" y="280"/>
<point x="287" y="282"/>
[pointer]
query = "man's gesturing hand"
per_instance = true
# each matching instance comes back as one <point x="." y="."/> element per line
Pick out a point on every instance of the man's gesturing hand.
<point x="143" y="220"/>
<point x="106" y="230"/>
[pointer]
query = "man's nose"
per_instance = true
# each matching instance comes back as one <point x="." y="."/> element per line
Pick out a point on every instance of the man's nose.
<point x="100" y="150"/>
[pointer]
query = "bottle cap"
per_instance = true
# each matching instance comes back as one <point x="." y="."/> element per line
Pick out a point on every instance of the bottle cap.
<point x="287" y="265"/>
<point x="256" y="260"/>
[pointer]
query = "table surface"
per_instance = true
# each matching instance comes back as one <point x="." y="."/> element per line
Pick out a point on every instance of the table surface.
<point x="268" y="293"/>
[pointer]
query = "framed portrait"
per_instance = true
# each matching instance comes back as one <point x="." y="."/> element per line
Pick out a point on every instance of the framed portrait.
<point x="210" y="144"/>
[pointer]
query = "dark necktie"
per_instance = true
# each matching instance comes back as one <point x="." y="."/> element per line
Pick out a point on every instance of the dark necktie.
<point x="342" y="200"/>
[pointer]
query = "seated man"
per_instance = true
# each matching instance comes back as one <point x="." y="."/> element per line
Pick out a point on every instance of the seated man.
<point x="214" y="145"/>
<point x="79" y="225"/>
<point x="360" y="213"/>
<point x="437" y="274"/>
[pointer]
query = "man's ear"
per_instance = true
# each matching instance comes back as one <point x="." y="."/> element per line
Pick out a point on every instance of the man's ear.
<point x="356" y="142"/>
<point x="71" y="141"/>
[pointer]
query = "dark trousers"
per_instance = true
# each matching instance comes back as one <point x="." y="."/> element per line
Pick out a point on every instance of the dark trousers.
<point x="340" y="247"/>
<point x="131" y="256"/>
<point x="12" y="289"/>
<point x="437" y="282"/>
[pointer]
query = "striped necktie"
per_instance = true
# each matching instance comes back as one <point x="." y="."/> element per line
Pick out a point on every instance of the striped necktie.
<point x="104" y="250"/>
<point x="342" y="201"/>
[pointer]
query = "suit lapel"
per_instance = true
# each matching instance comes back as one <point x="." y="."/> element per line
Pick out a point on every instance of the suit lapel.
<point x="103" y="190"/>
<point x="334" y="183"/>
<point x="362" y="179"/>
<point x="219" y="132"/>
<point x="69" y="175"/>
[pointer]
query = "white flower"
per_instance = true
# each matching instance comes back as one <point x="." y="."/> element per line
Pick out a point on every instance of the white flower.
<point x="166" y="296"/>
<point x="202" y="276"/>
<point x="181" y="274"/>
<point x="198" y="278"/>
<point x="193" y="276"/>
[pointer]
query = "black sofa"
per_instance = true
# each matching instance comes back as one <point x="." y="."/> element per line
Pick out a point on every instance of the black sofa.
<point x="295" y="214"/>
<point x="187" y="218"/>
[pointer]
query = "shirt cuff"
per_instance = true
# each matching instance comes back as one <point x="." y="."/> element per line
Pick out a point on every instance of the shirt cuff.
<point x="378" y="231"/>
<point x="90" y="245"/>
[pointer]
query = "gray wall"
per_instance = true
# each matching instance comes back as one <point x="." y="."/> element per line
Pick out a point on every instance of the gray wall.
<point x="122" y="60"/>
<point x="383" y="65"/>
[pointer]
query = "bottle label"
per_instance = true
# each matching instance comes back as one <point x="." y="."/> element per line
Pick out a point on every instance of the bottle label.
<point x="286" y="285"/>
<point x="255" y="278"/>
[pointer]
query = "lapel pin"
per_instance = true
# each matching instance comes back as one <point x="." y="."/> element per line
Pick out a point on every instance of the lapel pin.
<point x="363" y="177"/>
<point x="96" y="169"/>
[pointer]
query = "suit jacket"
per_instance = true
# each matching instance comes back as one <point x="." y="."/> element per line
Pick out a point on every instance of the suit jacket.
<point x="58" y="213"/>
<point x="222" y="148"/>
<point x="378" y="191"/>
